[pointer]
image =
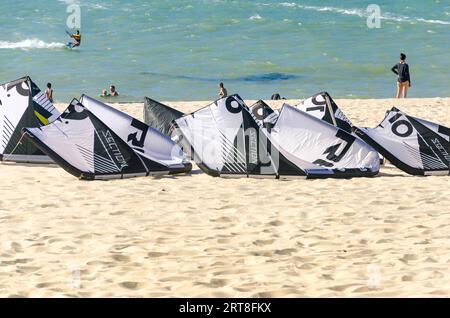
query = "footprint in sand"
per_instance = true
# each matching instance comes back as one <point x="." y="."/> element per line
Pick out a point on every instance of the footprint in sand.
<point x="120" y="258"/>
<point x="363" y="289"/>
<point x="436" y="275"/>
<point x="17" y="247"/>
<point x="263" y="242"/>
<point x="27" y="269"/>
<point x="222" y="219"/>
<point x="276" y="223"/>
<point x="215" y="283"/>
<point x="308" y="266"/>
<point x="383" y="241"/>
<point x="409" y="257"/>
<point x="327" y="276"/>
<point x="277" y="293"/>
<point x="341" y="288"/>
<point x="439" y="293"/>
<point x="156" y="254"/>
<point x="117" y="213"/>
<point x="286" y="251"/>
<point x="130" y="285"/>
<point x="407" y="278"/>
<point x="262" y="253"/>
<point x="44" y="285"/>
<point x="45" y="206"/>
<point x="17" y="296"/>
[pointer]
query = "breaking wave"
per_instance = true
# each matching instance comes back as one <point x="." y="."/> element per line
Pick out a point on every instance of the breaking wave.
<point x="255" y="17"/>
<point x="363" y="13"/>
<point x="31" y="44"/>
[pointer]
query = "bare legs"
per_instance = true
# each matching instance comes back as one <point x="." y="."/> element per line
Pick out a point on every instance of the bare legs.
<point x="402" y="89"/>
<point x="405" y="88"/>
<point x="399" y="90"/>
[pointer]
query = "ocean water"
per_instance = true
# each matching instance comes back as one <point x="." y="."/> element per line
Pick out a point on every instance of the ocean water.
<point x="181" y="50"/>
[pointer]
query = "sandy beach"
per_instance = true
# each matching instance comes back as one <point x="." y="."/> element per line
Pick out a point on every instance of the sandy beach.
<point x="198" y="236"/>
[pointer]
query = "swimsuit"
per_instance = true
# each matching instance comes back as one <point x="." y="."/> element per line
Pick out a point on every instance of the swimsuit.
<point x="402" y="70"/>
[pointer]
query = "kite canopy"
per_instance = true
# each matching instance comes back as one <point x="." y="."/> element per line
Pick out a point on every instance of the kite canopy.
<point x="229" y="139"/>
<point x="325" y="145"/>
<point x="313" y="140"/>
<point x="87" y="148"/>
<point x="264" y="115"/>
<point x="414" y="145"/>
<point x="160" y="116"/>
<point x="322" y="106"/>
<point x="145" y="140"/>
<point x="22" y="104"/>
<point x="226" y="141"/>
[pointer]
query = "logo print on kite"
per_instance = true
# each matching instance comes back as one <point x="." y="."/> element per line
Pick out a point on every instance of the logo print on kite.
<point x="258" y="112"/>
<point x="398" y="123"/>
<point x="233" y="105"/>
<point x="331" y="151"/>
<point x="143" y="129"/>
<point x="320" y="105"/>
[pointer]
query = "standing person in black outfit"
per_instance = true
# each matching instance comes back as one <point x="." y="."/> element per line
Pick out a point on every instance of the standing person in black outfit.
<point x="404" y="80"/>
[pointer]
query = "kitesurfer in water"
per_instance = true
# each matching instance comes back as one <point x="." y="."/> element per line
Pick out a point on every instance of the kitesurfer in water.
<point x="77" y="38"/>
<point x="222" y="91"/>
<point x="403" y="80"/>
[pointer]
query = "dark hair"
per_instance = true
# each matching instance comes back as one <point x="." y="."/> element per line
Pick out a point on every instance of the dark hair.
<point x="221" y="84"/>
<point x="49" y="85"/>
<point x="78" y="31"/>
<point x="402" y="56"/>
<point x="113" y="87"/>
<point x="275" y="97"/>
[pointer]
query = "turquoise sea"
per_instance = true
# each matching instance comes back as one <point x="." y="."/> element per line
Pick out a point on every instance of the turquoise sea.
<point x="181" y="50"/>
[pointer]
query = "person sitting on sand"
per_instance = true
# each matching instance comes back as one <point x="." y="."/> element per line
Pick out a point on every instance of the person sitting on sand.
<point x="222" y="91"/>
<point x="112" y="91"/>
<point x="49" y="92"/>
<point x="403" y="80"/>
<point x="105" y="93"/>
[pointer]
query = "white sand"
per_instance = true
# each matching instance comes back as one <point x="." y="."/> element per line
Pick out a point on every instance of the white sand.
<point x="198" y="236"/>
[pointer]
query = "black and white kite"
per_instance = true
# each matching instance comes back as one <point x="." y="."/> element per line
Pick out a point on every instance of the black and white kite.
<point x="87" y="148"/>
<point x="145" y="140"/>
<point x="264" y="115"/>
<point x="225" y="141"/>
<point x="22" y="104"/>
<point x="322" y="106"/>
<point x="160" y="116"/>
<point x="229" y="139"/>
<point x="414" y="145"/>
<point x="318" y="142"/>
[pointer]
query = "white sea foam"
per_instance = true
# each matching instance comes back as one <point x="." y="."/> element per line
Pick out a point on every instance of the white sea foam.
<point x="30" y="44"/>
<point x="362" y="13"/>
<point x="288" y="4"/>
<point x="255" y="17"/>
<point x="84" y="4"/>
